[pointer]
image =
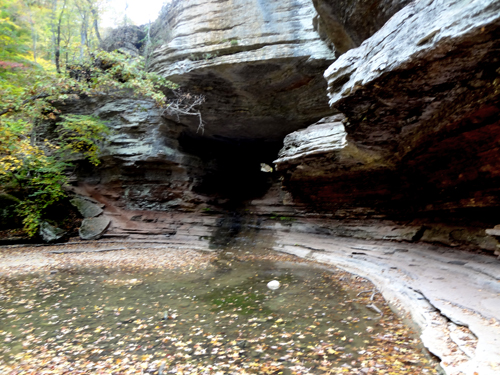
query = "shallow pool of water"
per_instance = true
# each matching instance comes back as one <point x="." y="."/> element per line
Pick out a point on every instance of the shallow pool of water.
<point x="222" y="319"/>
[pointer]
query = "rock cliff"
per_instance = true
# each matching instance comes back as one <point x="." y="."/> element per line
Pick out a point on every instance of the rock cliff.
<point x="421" y="100"/>
<point x="410" y="132"/>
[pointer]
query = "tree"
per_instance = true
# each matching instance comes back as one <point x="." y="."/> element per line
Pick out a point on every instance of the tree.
<point x="95" y="18"/>
<point x="47" y="29"/>
<point x="14" y="34"/>
<point x="57" y="36"/>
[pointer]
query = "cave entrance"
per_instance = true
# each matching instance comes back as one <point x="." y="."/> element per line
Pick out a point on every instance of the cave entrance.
<point x="235" y="171"/>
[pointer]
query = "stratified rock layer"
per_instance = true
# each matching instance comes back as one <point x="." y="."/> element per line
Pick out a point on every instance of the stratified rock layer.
<point x="327" y="135"/>
<point x="259" y="64"/>
<point x="421" y="96"/>
<point x="417" y="140"/>
<point x="143" y="165"/>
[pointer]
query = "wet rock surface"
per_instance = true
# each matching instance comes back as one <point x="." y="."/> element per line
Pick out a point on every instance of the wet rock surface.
<point x="452" y="295"/>
<point x="440" y="294"/>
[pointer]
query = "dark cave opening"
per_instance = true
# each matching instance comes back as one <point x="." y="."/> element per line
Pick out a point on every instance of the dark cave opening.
<point x="233" y="169"/>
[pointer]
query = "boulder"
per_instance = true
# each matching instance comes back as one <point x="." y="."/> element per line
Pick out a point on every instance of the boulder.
<point x="128" y="39"/>
<point x="325" y="136"/>
<point x="325" y="171"/>
<point x="50" y="233"/>
<point x="86" y="207"/>
<point x="93" y="228"/>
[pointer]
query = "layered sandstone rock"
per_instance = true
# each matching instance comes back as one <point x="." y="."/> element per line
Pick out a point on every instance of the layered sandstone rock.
<point x="421" y="97"/>
<point x="143" y="165"/>
<point x="417" y="139"/>
<point x="259" y="64"/>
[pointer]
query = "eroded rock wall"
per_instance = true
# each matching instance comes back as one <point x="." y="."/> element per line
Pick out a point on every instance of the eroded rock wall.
<point x="348" y="23"/>
<point x="421" y="100"/>
<point x="143" y="166"/>
<point x="410" y="132"/>
<point x="259" y="64"/>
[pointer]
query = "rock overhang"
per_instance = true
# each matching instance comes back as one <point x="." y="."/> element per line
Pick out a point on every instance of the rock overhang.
<point x="261" y="70"/>
<point x="258" y="64"/>
<point x="417" y="66"/>
<point x="423" y="94"/>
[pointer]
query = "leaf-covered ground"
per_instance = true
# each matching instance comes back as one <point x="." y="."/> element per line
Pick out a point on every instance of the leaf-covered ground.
<point x="158" y="311"/>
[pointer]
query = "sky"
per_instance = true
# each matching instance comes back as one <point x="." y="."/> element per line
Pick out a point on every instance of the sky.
<point x="139" y="11"/>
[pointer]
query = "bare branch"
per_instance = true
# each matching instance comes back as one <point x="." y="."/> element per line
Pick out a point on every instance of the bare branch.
<point x="185" y="104"/>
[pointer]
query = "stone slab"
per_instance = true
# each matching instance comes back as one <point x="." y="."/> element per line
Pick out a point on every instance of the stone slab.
<point x="50" y="233"/>
<point x="86" y="207"/>
<point x="92" y="228"/>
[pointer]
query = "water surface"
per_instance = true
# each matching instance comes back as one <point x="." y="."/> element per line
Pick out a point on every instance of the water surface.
<point x="222" y="319"/>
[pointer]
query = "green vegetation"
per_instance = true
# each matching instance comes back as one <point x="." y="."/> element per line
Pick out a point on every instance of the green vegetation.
<point x="42" y="65"/>
<point x="82" y="134"/>
<point x="51" y="33"/>
<point x="34" y="170"/>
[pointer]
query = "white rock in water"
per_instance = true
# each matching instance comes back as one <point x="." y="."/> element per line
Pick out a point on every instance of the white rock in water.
<point x="275" y="284"/>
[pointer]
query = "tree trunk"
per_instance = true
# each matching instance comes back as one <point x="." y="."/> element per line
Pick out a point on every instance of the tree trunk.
<point x="58" y="39"/>
<point x="95" y="17"/>
<point x="83" y="29"/>
<point x="83" y="39"/>
<point x="53" y="25"/>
